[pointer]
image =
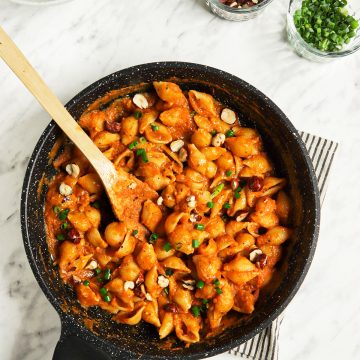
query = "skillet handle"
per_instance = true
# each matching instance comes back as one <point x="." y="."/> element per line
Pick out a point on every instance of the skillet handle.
<point x="75" y="348"/>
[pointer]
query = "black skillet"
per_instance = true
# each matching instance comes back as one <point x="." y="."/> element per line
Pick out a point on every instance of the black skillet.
<point x="108" y="340"/>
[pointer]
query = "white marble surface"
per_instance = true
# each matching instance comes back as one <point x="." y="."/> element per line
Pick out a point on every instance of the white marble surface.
<point x="76" y="43"/>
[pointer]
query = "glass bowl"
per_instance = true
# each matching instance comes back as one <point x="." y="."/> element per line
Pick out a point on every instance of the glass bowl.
<point x="236" y="14"/>
<point x="309" y="52"/>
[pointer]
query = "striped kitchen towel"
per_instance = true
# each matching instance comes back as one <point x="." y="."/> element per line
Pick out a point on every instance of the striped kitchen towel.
<point x="265" y="345"/>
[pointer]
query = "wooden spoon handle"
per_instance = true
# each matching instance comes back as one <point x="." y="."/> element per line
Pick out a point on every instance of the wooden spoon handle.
<point x="47" y="99"/>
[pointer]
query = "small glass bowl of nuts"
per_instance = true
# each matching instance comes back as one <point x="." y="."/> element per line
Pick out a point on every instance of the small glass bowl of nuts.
<point x="237" y="10"/>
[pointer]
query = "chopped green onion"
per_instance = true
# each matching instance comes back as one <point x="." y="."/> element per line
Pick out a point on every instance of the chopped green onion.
<point x="142" y="153"/>
<point x="95" y="204"/>
<point x="210" y="204"/>
<point x="218" y="290"/>
<point x="60" y="237"/>
<point x="230" y="133"/>
<point x="133" y="145"/>
<point x="200" y="284"/>
<point x="86" y="282"/>
<point x="103" y="291"/>
<point x="142" y="140"/>
<point x="325" y="25"/>
<point x="134" y="233"/>
<point x="107" y="298"/>
<point x="195" y="243"/>
<point x="107" y="274"/>
<point x="217" y="190"/>
<point x="63" y="214"/>
<point x="195" y="310"/>
<point x="228" y="173"/>
<point x="167" y="246"/>
<point x="205" y="301"/>
<point x="237" y="195"/>
<point x="137" y="114"/>
<point x="213" y="132"/>
<point x="153" y="238"/>
<point x="100" y="279"/>
<point x="169" y="272"/>
<point x="98" y="271"/>
<point x="227" y="206"/>
<point x="64" y="226"/>
<point x="200" y="227"/>
<point x="56" y="209"/>
<point x="166" y="291"/>
<point x="216" y="282"/>
<point x="155" y="127"/>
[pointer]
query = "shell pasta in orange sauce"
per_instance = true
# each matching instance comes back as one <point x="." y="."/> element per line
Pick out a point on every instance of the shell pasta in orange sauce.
<point x="213" y="236"/>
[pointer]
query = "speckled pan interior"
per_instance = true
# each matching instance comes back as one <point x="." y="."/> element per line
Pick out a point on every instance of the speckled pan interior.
<point x="291" y="159"/>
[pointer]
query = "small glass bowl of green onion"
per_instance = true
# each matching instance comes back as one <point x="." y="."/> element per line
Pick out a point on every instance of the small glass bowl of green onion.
<point x="323" y="30"/>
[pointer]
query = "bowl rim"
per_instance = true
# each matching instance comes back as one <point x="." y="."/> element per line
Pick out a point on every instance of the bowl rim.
<point x="257" y="7"/>
<point x="320" y="54"/>
<point x="67" y="320"/>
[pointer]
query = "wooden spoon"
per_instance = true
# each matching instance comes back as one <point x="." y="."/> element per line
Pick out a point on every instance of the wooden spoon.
<point x="126" y="198"/>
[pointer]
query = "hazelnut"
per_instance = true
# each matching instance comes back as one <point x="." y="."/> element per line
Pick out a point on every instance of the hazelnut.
<point x="73" y="170"/>
<point x="65" y="190"/>
<point x="228" y="115"/>
<point x="176" y="145"/>
<point x="218" y="139"/>
<point x="140" y="101"/>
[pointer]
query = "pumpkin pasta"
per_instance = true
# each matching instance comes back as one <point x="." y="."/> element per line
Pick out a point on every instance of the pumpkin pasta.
<point x="207" y="244"/>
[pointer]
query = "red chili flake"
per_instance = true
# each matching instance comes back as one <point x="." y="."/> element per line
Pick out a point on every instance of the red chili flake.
<point x="261" y="261"/>
<point x="112" y="126"/>
<point x="74" y="235"/>
<point x="256" y="183"/>
<point x="171" y="307"/>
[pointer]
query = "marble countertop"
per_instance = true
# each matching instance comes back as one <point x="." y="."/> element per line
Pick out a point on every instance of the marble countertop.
<point x="75" y="43"/>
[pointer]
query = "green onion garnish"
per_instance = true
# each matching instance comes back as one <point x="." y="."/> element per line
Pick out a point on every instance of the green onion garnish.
<point x="103" y="291"/>
<point x="86" y="282"/>
<point x="213" y="132"/>
<point x="107" y="298"/>
<point x="228" y="173"/>
<point x="134" y="233"/>
<point x="142" y="153"/>
<point x="200" y="227"/>
<point x="166" y="291"/>
<point x="227" y="206"/>
<point x="167" y="246"/>
<point x="200" y="284"/>
<point x="210" y="204"/>
<point x="137" y="114"/>
<point x="60" y="237"/>
<point x="64" y="226"/>
<point x="217" y="190"/>
<point x="195" y="310"/>
<point x="218" y="290"/>
<point x="153" y="238"/>
<point x="230" y="133"/>
<point x="169" y="272"/>
<point x="142" y="140"/>
<point x="195" y="243"/>
<point x="56" y="209"/>
<point x="98" y="271"/>
<point x="205" y="301"/>
<point x="237" y="195"/>
<point x="133" y="145"/>
<point x="107" y="274"/>
<point x="155" y="127"/>
<point x="63" y="214"/>
<point x="216" y="282"/>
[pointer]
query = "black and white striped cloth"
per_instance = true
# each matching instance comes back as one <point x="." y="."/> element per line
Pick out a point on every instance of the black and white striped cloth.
<point x="265" y="345"/>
